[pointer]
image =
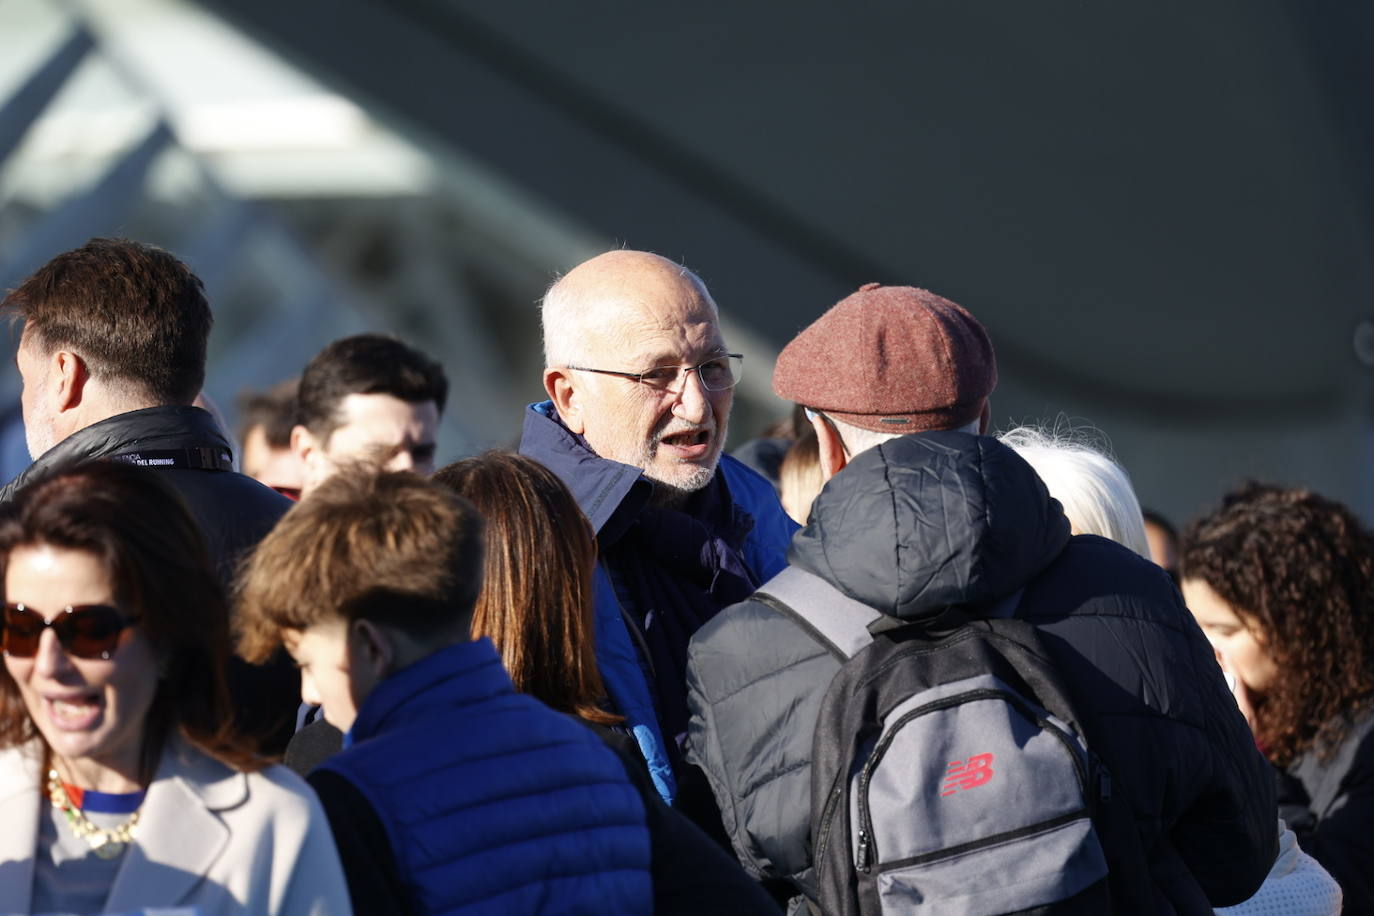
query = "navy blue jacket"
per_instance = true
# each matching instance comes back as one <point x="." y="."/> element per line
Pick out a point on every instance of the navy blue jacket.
<point x="610" y="494"/>
<point x="924" y="522"/>
<point x="490" y="801"/>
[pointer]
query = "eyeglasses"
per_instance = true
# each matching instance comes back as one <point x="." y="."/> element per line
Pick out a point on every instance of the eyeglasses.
<point x="718" y="373"/>
<point x="84" y="630"/>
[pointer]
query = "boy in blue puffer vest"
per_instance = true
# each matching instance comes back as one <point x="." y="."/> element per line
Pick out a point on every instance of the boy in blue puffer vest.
<point x="453" y="793"/>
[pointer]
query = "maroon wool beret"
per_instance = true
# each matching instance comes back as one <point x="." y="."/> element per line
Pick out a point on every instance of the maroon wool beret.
<point x="891" y="359"/>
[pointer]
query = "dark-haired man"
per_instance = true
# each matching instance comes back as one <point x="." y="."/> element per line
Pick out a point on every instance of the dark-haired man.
<point x="112" y="356"/>
<point x="266" y="419"/>
<point x="367" y="398"/>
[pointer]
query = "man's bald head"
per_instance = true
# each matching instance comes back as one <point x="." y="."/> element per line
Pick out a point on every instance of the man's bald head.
<point x="614" y="317"/>
<point x="596" y="295"/>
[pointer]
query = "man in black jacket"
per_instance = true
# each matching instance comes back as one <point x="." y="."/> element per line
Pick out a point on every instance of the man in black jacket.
<point x="911" y="525"/>
<point x="112" y="356"/>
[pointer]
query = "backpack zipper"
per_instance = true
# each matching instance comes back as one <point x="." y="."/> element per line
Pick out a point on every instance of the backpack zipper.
<point x="827" y="815"/>
<point x="868" y="853"/>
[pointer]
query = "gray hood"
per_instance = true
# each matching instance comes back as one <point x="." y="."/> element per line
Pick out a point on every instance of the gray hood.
<point x="931" y="520"/>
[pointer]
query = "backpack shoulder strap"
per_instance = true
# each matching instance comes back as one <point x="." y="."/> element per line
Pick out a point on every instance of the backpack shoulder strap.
<point x="835" y="620"/>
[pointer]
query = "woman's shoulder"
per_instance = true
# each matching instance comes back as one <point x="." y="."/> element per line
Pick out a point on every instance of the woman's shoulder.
<point x="1350" y="763"/>
<point x="1362" y="727"/>
<point x="1356" y="741"/>
<point x="221" y="786"/>
<point x="277" y="781"/>
<point x="1356" y="753"/>
<point x="21" y="757"/>
<point x="261" y="832"/>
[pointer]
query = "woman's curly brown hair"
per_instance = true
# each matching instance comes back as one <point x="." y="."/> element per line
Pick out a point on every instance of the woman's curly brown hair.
<point x="1299" y="570"/>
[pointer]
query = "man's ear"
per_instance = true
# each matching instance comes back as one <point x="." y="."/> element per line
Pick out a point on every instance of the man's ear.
<point x="566" y="398"/>
<point x="831" y="447"/>
<point x="68" y="376"/>
<point x="309" y="450"/>
<point x="302" y="442"/>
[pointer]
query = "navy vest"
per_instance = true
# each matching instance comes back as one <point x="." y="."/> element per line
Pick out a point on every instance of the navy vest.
<point x="492" y="802"/>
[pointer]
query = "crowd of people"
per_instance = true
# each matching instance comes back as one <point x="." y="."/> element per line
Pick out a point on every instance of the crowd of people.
<point x="877" y="661"/>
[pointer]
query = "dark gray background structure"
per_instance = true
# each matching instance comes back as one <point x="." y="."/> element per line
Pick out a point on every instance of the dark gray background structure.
<point x="1163" y="212"/>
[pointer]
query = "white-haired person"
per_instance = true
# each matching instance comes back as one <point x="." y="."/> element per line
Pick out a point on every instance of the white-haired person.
<point x="1094" y="490"/>
<point x="1098" y="498"/>
<point x="640" y="383"/>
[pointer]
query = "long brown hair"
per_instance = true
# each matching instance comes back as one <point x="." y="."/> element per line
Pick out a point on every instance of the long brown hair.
<point x="1299" y="570"/>
<point x="162" y="574"/>
<point x="536" y="598"/>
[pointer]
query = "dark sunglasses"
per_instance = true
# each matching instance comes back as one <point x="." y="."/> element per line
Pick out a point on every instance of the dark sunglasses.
<point x="84" y="630"/>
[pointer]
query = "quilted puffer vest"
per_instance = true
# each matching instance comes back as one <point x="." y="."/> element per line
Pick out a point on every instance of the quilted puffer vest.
<point x="492" y="802"/>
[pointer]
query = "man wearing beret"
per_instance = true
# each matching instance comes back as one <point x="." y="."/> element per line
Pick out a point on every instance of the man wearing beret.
<point x="640" y="384"/>
<point x="921" y="513"/>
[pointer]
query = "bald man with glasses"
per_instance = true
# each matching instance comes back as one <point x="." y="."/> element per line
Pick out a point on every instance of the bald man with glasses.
<point x="640" y="382"/>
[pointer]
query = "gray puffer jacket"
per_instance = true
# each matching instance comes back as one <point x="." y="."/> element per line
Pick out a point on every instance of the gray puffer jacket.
<point x="937" y="519"/>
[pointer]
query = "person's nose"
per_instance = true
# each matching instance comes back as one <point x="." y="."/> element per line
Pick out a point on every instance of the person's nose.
<point x="693" y="402"/>
<point x="51" y="660"/>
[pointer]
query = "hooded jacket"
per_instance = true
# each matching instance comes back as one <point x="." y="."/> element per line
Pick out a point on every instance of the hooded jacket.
<point x="921" y="523"/>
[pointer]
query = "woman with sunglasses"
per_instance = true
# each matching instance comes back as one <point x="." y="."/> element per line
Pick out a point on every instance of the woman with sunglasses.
<point x="122" y="785"/>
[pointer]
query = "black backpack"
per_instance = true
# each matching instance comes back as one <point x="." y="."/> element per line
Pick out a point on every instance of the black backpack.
<point x="949" y="772"/>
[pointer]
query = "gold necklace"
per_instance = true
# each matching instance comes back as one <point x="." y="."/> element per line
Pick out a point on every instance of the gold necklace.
<point x="107" y="843"/>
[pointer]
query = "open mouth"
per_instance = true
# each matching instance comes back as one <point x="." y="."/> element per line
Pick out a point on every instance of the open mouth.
<point x="687" y="445"/>
<point x="687" y="439"/>
<point x="74" y="713"/>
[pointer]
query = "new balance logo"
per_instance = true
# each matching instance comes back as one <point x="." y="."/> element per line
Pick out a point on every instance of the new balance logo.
<point x="967" y="774"/>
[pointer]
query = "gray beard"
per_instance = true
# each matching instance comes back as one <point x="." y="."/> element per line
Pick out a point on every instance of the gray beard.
<point x="668" y="496"/>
